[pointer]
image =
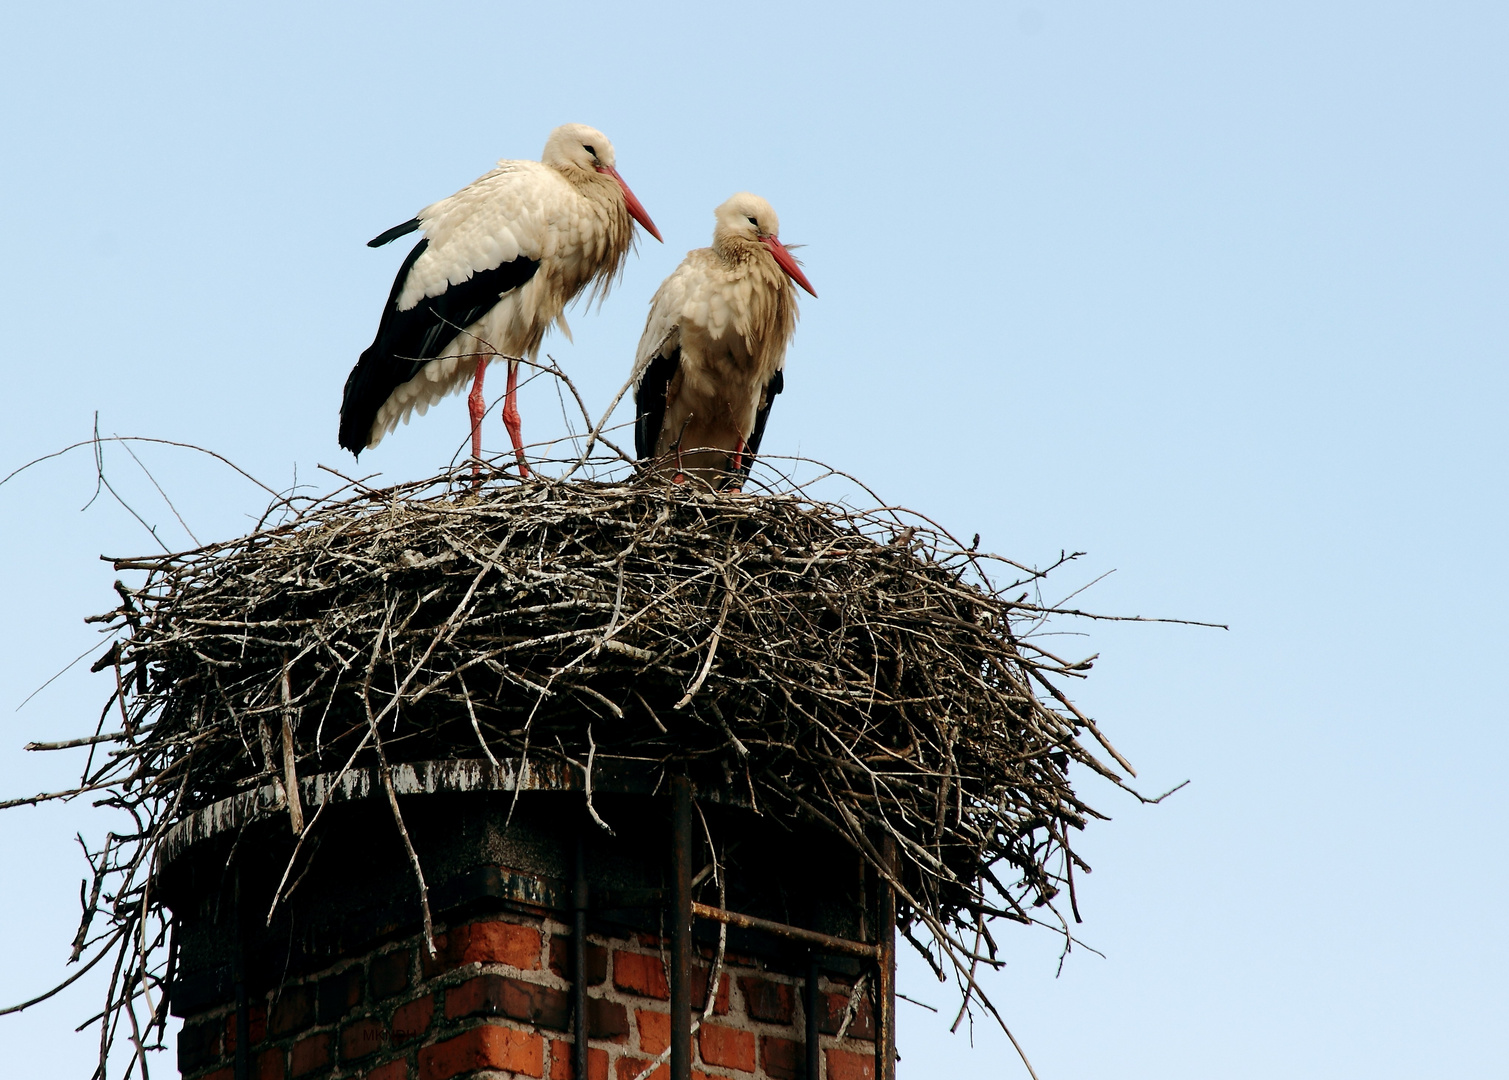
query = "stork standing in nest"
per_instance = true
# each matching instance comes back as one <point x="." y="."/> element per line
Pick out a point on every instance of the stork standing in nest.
<point x="499" y="262"/>
<point x="713" y="353"/>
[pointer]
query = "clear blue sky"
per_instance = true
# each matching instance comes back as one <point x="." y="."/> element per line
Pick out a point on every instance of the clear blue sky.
<point x="1214" y="292"/>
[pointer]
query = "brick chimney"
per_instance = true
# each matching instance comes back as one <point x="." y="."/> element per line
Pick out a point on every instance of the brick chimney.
<point x="339" y="982"/>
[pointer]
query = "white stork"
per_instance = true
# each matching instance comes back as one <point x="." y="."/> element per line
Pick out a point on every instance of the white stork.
<point x="499" y="262"/>
<point x="714" y="348"/>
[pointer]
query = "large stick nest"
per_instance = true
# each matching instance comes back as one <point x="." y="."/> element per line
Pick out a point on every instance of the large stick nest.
<point x="859" y="669"/>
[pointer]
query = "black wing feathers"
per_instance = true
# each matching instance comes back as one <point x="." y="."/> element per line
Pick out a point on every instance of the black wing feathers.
<point x="649" y="402"/>
<point x="767" y="399"/>
<point x="407" y="340"/>
<point x="394" y="233"/>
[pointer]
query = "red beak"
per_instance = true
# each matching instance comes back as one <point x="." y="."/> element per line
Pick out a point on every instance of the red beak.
<point x="785" y="261"/>
<point x="636" y="209"/>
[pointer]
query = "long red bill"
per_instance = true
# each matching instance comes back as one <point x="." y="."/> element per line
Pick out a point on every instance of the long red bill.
<point x="636" y="208"/>
<point x="787" y="263"/>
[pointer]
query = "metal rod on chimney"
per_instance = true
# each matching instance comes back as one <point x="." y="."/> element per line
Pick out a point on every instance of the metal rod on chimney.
<point x="825" y="942"/>
<point x="579" y="956"/>
<point x="241" y="1066"/>
<point x="813" y="998"/>
<point x="681" y="929"/>
<point x="885" y="988"/>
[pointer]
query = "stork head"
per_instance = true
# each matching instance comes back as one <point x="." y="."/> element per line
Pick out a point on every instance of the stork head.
<point x="579" y="147"/>
<point x="750" y="218"/>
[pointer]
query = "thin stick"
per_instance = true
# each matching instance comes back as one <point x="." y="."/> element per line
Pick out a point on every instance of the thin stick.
<point x="712" y="651"/>
<point x="290" y="773"/>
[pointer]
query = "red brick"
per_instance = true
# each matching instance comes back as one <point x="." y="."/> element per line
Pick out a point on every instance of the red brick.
<point x="362" y="1037"/>
<point x="607" y="1020"/>
<point x="630" y="1068"/>
<point x="198" y="1045"/>
<point x="270" y="1065"/>
<point x="730" y="958"/>
<point x="498" y="995"/>
<point x="782" y="1059"/>
<point x="389" y="973"/>
<point x="597" y="960"/>
<point x="336" y="995"/>
<point x="726" y="1046"/>
<point x="393" y="1070"/>
<point x="772" y="1002"/>
<point x="490" y="942"/>
<point x="831" y="1018"/>
<point x="472" y="997"/>
<point x="489" y="1047"/>
<point x="413" y="1020"/>
<point x="843" y="1065"/>
<point x="699" y="992"/>
<point x="503" y="943"/>
<point x="221" y="1074"/>
<point x="293" y="1011"/>
<point x="562" y="1067"/>
<point x="640" y="973"/>
<point x="256" y="1016"/>
<point x="654" y="1030"/>
<point x="310" y="1054"/>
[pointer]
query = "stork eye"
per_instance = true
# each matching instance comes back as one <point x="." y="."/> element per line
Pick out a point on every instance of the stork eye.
<point x="589" y="149"/>
<point x="753" y="222"/>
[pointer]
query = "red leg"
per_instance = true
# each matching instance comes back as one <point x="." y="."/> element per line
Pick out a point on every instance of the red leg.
<point x="476" y="404"/>
<point x="511" y="416"/>
<point x="737" y="485"/>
